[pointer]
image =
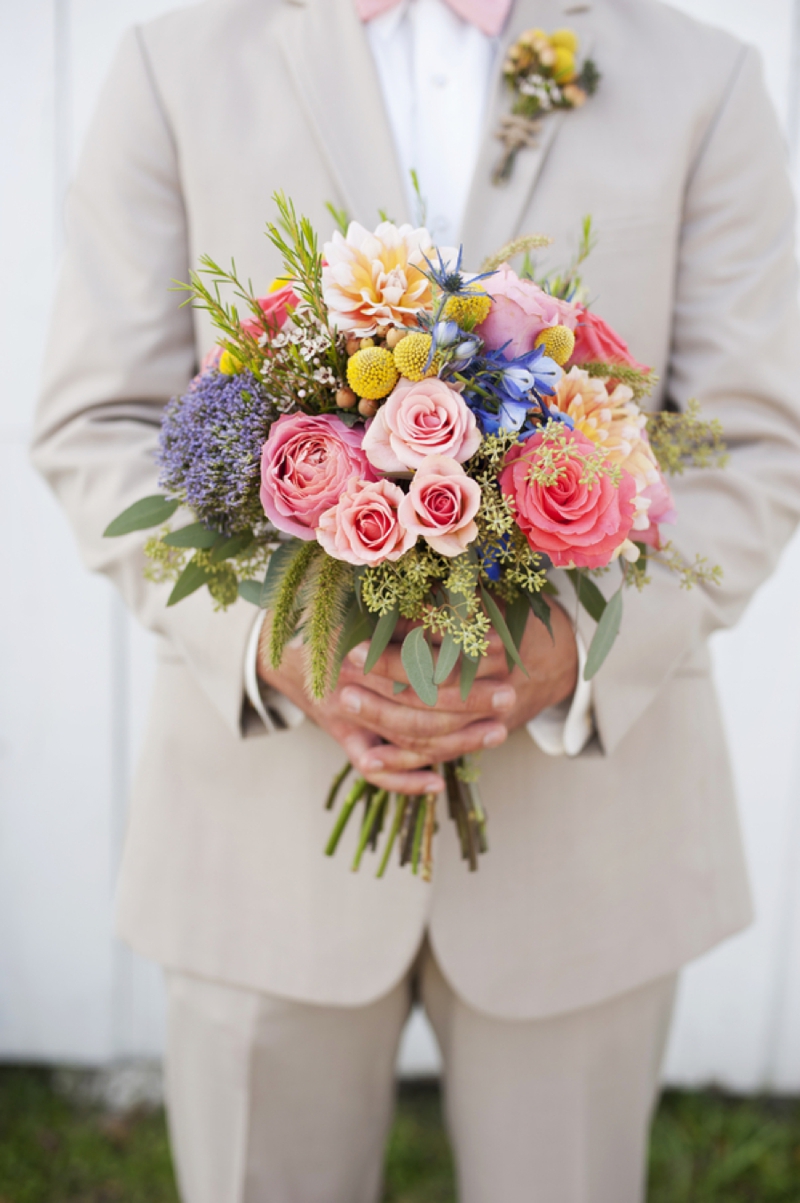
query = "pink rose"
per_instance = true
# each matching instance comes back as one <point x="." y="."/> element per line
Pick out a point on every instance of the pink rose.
<point x="305" y="465"/>
<point x="421" y="419"/>
<point x="595" y="340"/>
<point x="363" y="527"/>
<point x="275" y="306"/>
<point x="569" y="520"/>
<point x="520" y="311"/>
<point x="661" y="509"/>
<point x="441" y="505"/>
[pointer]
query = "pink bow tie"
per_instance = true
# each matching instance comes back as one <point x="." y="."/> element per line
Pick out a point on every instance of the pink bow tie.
<point x="488" y="15"/>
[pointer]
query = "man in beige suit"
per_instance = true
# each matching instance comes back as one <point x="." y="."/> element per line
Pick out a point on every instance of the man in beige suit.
<point x="549" y="974"/>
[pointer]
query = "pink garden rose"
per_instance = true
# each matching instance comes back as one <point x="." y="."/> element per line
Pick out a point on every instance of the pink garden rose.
<point x="520" y="311"/>
<point x="572" y="522"/>
<point x="305" y="465"/>
<point x="595" y="340"/>
<point x="363" y="527"/>
<point x="421" y="419"/>
<point x="441" y="505"/>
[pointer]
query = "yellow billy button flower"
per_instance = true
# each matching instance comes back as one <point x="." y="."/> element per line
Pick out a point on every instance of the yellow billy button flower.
<point x="564" y="65"/>
<point x="566" y="38"/>
<point x="371" y="373"/>
<point x="411" y="356"/>
<point x="228" y="364"/>
<point x="474" y="308"/>
<point x="558" y="343"/>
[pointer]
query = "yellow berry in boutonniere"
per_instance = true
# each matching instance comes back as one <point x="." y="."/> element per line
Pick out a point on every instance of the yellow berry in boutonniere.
<point x="411" y="356"/>
<point x="564" y="65"/>
<point x="566" y="38"/>
<point x="558" y="343"/>
<point x="371" y="373"/>
<point x="229" y="365"/>
<point x="468" y="310"/>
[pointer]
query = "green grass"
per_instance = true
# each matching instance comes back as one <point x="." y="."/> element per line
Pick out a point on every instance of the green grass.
<point x="706" y="1148"/>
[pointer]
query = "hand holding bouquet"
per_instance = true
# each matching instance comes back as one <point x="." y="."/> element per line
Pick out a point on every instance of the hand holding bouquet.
<point x="388" y="437"/>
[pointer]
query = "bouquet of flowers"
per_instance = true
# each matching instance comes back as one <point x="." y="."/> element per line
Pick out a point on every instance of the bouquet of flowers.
<point x="386" y="436"/>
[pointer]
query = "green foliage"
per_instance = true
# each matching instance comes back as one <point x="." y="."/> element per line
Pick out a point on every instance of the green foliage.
<point x="640" y="383"/>
<point x="568" y="283"/>
<point x="193" y="577"/>
<point x="605" y="635"/>
<point x="288" y="602"/>
<point x="380" y="640"/>
<point x="587" y="593"/>
<point x="195" y="535"/>
<point x="328" y="586"/>
<point x="681" y="439"/>
<point x="417" y="660"/>
<point x="340" y="216"/>
<point x="518" y="246"/>
<point x="143" y="514"/>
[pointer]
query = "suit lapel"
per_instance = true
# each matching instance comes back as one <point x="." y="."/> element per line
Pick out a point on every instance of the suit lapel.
<point x="330" y="62"/>
<point x="495" y="211"/>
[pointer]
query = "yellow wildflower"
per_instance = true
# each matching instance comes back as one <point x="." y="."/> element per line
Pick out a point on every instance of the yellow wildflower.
<point x="371" y="373"/>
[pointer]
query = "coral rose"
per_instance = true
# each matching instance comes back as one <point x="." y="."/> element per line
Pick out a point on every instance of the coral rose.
<point x="363" y="527"/>
<point x="595" y="340"/>
<point x="305" y="465"/>
<point x="371" y="280"/>
<point x="441" y="505"/>
<point x="571" y="519"/>
<point x="422" y="418"/>
<point x="520" y="311"/>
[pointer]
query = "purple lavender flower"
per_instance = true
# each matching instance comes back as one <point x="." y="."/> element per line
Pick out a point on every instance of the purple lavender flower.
<point x="210" y="449"/>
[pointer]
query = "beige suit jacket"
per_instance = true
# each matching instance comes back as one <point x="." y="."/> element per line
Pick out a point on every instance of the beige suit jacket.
<point x="604" y="871"/>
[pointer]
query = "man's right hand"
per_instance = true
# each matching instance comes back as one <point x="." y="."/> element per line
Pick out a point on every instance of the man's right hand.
<point x="396" y="751"/>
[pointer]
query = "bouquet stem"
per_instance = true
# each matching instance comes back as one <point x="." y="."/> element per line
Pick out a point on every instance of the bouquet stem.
<point x="413" y="823"/>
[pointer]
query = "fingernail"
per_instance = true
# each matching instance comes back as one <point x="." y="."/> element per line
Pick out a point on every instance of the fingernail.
<point x="494" y="737"/>
<point x="372" y="764"/>
<point x="503" y="699"/>
<point x="358" y="656"/>
<point x="351" y="701"/>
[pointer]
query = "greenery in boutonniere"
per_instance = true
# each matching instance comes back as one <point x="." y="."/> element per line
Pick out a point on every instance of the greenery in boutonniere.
<point x="543" y="72"/>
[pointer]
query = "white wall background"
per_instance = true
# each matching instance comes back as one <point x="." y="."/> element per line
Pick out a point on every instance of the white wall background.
<point x="74" y="671"/>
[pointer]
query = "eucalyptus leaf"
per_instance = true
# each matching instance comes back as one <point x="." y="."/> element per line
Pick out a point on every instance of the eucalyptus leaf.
<point x="380" y="640"/>
<point x="541" y="608"/>
<point x="250" y="591"/>
<point x="192" y="578"/>
<point x="197" y="535"/>
<point x="399" y="687"/>
<point x="417" y="660"/>
<point x="357" y="627"/>
<point x="447" y="659"/>
<point x="517" y="614"/>
<point x="227" y="548"/>
<point x="149" y="511"/>
<point x="604" y="636"/>
<point x="499" y="624"/>
<point x="469" y="668"/>
<point x="588" y="593"/>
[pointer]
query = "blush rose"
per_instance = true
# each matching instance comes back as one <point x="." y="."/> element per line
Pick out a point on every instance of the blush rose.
<point x="305" y="465"/>
<point x="441" y="505"/>
<point x="419" y="419"/>
<point x="520" y="311"/>
<point x="570" y="520"/>
<point x="363" y="527"/>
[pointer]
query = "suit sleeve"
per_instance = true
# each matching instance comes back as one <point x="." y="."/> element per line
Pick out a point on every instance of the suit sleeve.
<point x="119" y="347"/>
<point x="735" y="339"/>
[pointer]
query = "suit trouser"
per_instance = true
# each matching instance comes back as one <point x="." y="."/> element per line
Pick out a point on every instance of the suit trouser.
<point x="275" y="1101"/>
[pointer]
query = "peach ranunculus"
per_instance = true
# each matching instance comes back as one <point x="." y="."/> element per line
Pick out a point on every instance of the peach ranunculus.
<point x="306" y="464"/>
<point x="422" y="418"/>
<point x="371" y="280"/>
<point x="441" y="505"/>
<point x="363" y="527"/>
<point x="576" y="516"/>
<point x="613" y="421"/>
<point x="520" y="311"/>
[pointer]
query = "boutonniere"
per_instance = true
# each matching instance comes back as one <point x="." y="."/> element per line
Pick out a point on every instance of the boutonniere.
<point x="543" y="74"/>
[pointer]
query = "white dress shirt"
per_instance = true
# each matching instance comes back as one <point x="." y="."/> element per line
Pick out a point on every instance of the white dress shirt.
<point x="435" y="71"/>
